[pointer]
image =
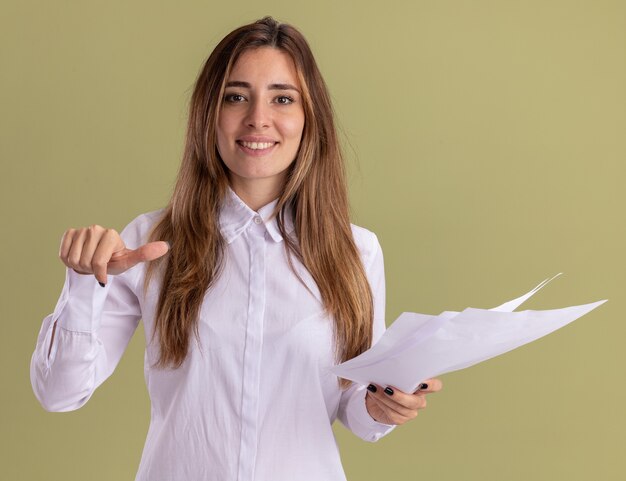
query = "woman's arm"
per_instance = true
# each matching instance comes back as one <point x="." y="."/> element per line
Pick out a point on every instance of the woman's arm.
<point x="352" y="409"/>
<point x="81" y="342"/>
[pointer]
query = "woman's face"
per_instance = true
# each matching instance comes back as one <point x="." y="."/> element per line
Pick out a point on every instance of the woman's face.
<point x="261" y="120"/>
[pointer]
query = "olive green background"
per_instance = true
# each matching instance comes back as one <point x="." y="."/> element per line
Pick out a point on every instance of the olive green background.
<point x="486" y="148"/>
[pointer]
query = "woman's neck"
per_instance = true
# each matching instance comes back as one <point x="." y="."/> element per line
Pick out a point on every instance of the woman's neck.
<point x="255" y="192"/>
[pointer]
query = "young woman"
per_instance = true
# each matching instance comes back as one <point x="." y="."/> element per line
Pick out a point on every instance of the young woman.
<point x="251" y="283"/>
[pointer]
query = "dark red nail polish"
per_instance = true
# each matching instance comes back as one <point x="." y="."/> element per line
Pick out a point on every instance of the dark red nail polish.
<point x="372" y="388"/>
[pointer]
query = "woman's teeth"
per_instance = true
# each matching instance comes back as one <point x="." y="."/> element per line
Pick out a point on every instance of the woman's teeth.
<point x="257" y="145"/>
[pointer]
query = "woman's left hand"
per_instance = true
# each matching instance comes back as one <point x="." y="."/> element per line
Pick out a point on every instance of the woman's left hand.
<point x="389" y="405"/>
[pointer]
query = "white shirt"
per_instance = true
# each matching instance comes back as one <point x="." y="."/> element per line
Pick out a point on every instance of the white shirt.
<point x="253" y="401"/>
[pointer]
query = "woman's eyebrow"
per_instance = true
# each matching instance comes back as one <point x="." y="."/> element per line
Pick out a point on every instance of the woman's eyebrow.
<point x="239" y="83"/>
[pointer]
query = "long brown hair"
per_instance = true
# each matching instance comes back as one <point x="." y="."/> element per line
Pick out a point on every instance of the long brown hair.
<point x="315" y="190"/>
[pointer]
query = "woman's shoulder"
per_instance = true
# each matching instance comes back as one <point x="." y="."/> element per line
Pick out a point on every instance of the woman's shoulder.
<point x="138" y="229"/>
<point x="367" y="243"/>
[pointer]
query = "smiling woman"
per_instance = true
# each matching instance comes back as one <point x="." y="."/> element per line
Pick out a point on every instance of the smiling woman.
<point x="260" y="124"/>
<point x="255" y="259"/>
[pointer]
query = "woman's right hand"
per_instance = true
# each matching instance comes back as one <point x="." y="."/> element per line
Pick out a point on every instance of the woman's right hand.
<point x="100" y="251"/>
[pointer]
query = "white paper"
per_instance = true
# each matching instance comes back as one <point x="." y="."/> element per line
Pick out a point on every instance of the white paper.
<point x="417" y="347"/>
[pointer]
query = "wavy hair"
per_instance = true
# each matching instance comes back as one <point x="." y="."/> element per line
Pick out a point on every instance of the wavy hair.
<point x="315" y="190"/>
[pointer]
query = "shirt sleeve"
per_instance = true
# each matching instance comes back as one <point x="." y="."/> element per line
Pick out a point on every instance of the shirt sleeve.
<point x="352" y="411"/>
<point x="93" y="327"/>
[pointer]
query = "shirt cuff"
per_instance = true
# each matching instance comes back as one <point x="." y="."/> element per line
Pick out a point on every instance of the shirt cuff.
<point x="363" y="418"/>
<point x="81" y="302"/>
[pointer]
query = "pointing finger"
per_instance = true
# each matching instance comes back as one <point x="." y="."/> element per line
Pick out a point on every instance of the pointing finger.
<point x="124" y="260"/>
<point x="150" y="251"/>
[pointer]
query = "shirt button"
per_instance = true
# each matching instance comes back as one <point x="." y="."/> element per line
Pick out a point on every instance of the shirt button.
<point x="258" y="220"/>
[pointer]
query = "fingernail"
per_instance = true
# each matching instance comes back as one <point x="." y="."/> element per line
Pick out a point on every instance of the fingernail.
<point x="372" y="388"/>
<point x="423" y="386"/>
<point x="169" y="246"/>
<point x="389" y="391"/>
<point x="101" y="283"/>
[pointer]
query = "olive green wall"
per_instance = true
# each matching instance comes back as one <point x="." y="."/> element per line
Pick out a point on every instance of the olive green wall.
<point x="490" y="141"/>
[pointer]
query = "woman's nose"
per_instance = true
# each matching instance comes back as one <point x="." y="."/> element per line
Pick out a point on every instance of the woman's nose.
<point x="258" y="115"/>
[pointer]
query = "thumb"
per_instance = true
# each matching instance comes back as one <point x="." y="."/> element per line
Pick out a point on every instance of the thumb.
<point x="124" y="260"/>
<point x="151" y="251"/>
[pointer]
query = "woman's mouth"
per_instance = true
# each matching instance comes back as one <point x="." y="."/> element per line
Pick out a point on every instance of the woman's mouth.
<point x="256" y="148"/>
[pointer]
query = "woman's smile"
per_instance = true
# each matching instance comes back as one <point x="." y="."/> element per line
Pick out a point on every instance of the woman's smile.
<point x="256" y="146"/>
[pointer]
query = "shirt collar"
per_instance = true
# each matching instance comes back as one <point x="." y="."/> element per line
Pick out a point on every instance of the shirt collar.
<point x="236" y="216"/>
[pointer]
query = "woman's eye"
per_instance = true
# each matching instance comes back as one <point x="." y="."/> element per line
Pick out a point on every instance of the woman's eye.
<point x="284" y="99"/>
<point x="233" y="98"/>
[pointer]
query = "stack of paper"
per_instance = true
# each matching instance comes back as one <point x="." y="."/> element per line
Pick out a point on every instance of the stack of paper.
<point x="417" y="347"/>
